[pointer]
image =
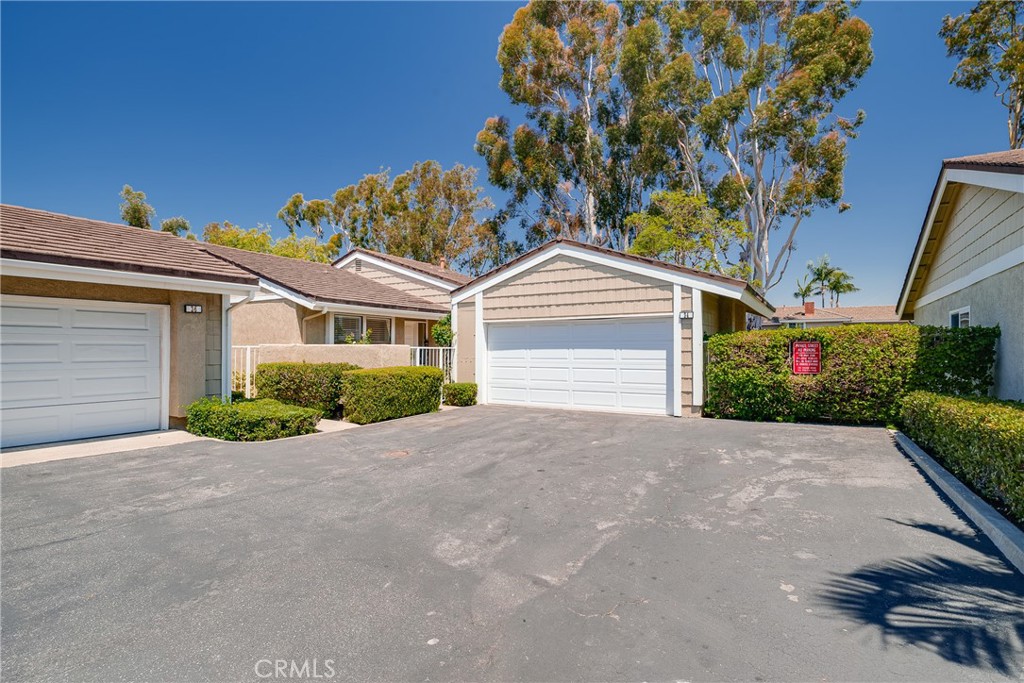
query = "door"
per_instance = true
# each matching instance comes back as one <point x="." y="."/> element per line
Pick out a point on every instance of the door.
<point x="613" y="365"/>
<point x="78" y="369"/>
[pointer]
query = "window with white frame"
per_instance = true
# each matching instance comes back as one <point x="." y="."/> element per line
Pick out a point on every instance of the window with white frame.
<point x="379" y="329"/>
<point x="348" y="329"/>
<point x="961" y="317"/>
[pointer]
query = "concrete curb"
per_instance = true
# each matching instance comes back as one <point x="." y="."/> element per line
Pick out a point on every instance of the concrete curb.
<point x="1007" y="537"/>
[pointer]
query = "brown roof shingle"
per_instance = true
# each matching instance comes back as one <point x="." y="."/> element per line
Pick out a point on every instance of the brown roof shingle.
<point x="323" y="282"/>
<point x="855" y="314"/>
<point x="47" y="237"/>
<point x="430" y="269"/>
<point x="1010" y="161"/>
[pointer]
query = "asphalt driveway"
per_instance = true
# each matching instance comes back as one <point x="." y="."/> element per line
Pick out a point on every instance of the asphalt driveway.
<point x="504" y="544"/>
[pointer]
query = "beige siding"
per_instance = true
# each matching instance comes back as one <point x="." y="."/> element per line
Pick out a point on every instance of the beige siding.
<point x="465" y="342"/>
<point x="983" y="225"/>
<point x="195" y="362"/>
<point x="709" y="306"/>
<point x="568" y="287"/>
<point x="398" y="281"/>
<point x="996" y="300"/>
<point x="686" y="357"/>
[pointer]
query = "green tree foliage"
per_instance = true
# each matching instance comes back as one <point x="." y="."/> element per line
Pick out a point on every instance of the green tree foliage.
<point x="177" y="226"/>
<point x="427" y="213"/>
<point x="989" y="42"/>
<point x="134" y="209"/>
<point x="684" y="229"/>
<point x="804" y="289"/>
<point x="441" y="332"/>
<point x="826" y="279"/>
<point x="733" y="100"/>
<point x="260" y="240"/>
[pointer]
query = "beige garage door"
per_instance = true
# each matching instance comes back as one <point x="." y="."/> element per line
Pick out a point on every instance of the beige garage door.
<point x="78" y="369"/>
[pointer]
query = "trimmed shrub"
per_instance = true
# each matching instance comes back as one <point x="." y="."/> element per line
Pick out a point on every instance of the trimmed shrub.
<point x="460" y="394"/>
<point x="979" y="440"/>
<point x="310" y="385"/>
<point x="865" y="370"/>
<point x="258" y="420"/>
<point x="378" y="394"/>
<point x="956" y="360"/>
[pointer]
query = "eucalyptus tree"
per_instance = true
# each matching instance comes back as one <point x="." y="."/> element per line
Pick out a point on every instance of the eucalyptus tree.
<point x="134" y="209"/>
<point x="989" y="42"/>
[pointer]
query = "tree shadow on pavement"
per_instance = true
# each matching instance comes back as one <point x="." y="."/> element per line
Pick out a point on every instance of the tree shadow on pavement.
<point x="971" y="613"/>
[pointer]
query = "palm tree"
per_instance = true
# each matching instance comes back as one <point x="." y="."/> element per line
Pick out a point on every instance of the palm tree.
<point x="821" y="274"/>
<point x="804" y="289"/>
<point x="840" y="282"/>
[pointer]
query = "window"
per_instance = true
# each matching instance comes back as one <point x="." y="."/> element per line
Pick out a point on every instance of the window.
<point x="961" y="317"/>
<point x="379" y="329"/>
<point x="347" y="329"/>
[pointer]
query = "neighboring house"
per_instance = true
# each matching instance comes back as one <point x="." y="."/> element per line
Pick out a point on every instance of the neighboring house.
<point x="571" y="325"/>
<point x="106" y="328"/>
<point x="968" y="265"/>
<point x="807" y="315"/>
<point x="301" y="302"/>
<point x="424" y="280"/>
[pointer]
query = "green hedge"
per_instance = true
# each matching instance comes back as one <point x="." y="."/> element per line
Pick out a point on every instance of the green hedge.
<point x="310" y="385"/>
<point x="957" y="361"/>
<point x="980" y="441"/>
<point x="460" y="394"/>
<point x="257" y="420"/>
<point x="378" y="394"/>
<point x="866" y="370"/>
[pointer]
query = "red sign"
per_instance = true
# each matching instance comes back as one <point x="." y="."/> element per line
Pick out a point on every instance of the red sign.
<point x="806" y="357"/>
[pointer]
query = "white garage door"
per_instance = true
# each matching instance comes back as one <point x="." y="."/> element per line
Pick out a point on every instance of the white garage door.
<point x="613" y="365"/>
<point x="76" y="369"/>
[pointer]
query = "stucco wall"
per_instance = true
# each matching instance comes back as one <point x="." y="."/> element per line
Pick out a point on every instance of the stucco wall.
<point x="274" y="321"/>
<point x="568" y="287"/>
<point x="195" y="348"/>
<point x="465" y="342"/>
<point x="363" y="355"/>
<point x="983" y="225"/>
<point x="398" y="281"/>
<point x="997" y="300"/>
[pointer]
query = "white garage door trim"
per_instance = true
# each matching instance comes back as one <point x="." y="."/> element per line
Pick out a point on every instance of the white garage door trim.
<point x="633" y="374"/>
<point x="39" y="331"/>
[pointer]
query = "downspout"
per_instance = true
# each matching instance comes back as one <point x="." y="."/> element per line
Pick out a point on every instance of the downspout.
<point x="225" y="331"/>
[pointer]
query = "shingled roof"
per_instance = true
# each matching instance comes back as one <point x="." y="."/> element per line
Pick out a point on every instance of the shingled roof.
<point x="47" y="237"/>
<point x="445" y="274"/>
<point x="322" y="282"/>
<point x="850" y="314"/>
<point x="1009" y="161"/>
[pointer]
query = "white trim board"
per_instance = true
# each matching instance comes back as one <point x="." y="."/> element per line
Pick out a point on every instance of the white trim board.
<point x="103" y="276"/>
<point x="993" y="267"/>
<point x="651" y="271"/>
<point x="1010" y="182"/>
<point x="387" y="265"/>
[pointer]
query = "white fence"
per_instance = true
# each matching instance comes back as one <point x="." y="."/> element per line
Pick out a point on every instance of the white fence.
<point x="244" y="360"/>
<point x="434" y="356"/>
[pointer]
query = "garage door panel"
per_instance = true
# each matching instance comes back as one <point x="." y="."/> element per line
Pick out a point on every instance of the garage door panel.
<point x="15" y="316"/>
<point x="105" y="351"/>
<point x="77" y="369"/>
<point x="592" y="365"/>
<point x="84" y="318"/>
<point x="597" y="375"/>
<point x="102" y="385"/>
<point x="543" y="374"/>
<point x="31" y="351"/>
<point x="28" y="387"/>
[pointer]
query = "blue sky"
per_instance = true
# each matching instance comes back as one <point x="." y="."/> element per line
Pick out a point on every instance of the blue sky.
<point x="222" y="111"/>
